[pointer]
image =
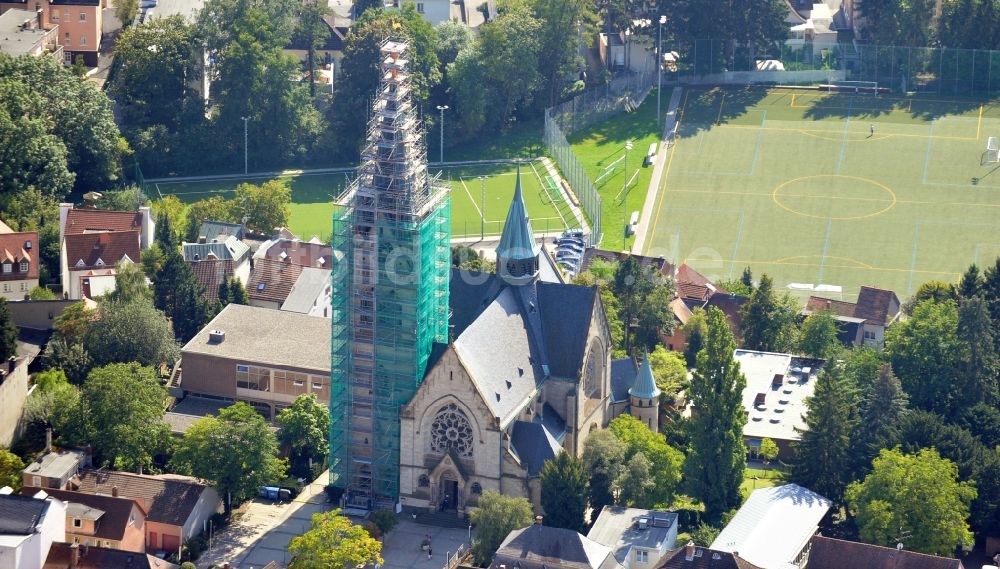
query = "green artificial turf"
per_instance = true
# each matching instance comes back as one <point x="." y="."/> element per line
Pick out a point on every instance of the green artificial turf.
<point x="312" y="198"/>
<point x="795" y="184"/>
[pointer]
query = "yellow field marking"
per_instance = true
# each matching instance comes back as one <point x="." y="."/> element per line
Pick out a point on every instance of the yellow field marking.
<point x="722" y="103"/>
<point x="744" y="262"/>
<point x="845" y="198"/>
<point x="979" y="124"/>
<point x="777" y="190"/>
<point x="662" y="190"/>
<point x="840" y="138"/>
<point x="787" y="260"/>
<point x="803" y="130"/>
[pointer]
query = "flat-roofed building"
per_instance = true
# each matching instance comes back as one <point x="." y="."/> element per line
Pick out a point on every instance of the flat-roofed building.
<point x="80" y="24"/>
<point x="22" y="32"/>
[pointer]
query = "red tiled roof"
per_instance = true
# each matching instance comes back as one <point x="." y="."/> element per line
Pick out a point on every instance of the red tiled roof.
<point x="117" y="511"/>
<point x="92" y="220"/>
<point x="277" y="278"/>
<point x="837" y="307"/>
<point x="211" y="273"/>
<point x="687" y="275"/>
<point x="91" y="557"/>
<point x="693" y="291"/>
<point x="109" y="247"/>
<point x="704" y="558"/>
<point x="874" y="304"/>
<point x="302" y="253"/>
<point x="17" y="247"/>
<point x="827" y="553"/>
<point x="169" y="500"/>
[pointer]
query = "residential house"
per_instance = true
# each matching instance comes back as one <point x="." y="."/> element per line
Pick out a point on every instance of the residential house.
<point x="329" y="55"/>
<point x="28" y="528"/>
<point x="52" y="469"/>
<point x="638" y="538"/>
<point x="177" y="507"/>
<point x="23" y="32"/>
<point x="692" y="557"/>
<point x="282" y="279"/>
<point x="861" y="323"/>
<point x="694" y="290"/>
<point x="80" y="24"/>
<point x="472" y="13"/>
<point x="214" y="262"/>
<point x="293" y="251"/>
<point x="212" y="231"/>
<point x="18" y="257"/>
<point x="311" y="293"/>
<point x="13" y="394"/>
<point x="72" y="556"/>
<point x="539" y="546"/>
<point x="105" y="521"/>
<point x="773" y="528"/>
<point x="264" y="357"/>
<point x="94" y="241"/>
<point x="777" y="386"/>
<point x="829" y="553"/>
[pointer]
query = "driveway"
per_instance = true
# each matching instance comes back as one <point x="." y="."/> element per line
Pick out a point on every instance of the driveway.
<point x="401" y="547"/>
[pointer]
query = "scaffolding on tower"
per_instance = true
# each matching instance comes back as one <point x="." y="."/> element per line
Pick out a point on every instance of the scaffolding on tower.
<point x="391" y="243"/>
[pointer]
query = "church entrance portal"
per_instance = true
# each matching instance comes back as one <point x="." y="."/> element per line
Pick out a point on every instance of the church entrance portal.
<point x="449" y="495"/>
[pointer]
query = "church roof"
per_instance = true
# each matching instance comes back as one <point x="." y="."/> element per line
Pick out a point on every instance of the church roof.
<point x="517" y="240"/>
<point x="645" y="384"/>
<point x="623" y="372"/>
<point x="534" y="444"/>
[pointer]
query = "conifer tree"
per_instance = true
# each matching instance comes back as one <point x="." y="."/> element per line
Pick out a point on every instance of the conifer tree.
<point x="882" y="408"/>
<point x="767" y="319"/>
<point x="564" y="492"/>
<point x="8" y="332"/>
<point x="716" y="455"/>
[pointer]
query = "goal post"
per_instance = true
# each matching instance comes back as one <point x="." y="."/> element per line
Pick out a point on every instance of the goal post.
<point x="992" y="154"/>
<point x="859" y="87"/>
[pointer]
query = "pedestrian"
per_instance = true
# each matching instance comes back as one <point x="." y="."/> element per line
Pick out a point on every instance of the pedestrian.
<point x="430" y="551"/>
<point x="871" y="131"/>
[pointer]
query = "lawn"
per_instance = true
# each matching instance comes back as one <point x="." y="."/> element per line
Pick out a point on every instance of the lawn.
<point x="816" y="188"/>
<point x="312" y="198"/>
<point x="764" y="479"/>
<point x="601" y="148"/>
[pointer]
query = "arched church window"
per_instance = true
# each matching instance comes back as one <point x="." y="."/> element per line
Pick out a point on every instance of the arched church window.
<point x="594" y="371"/>
<point x="423" y="481"/>
<point x="477" y="488"/>
<point x="451" y="430"/>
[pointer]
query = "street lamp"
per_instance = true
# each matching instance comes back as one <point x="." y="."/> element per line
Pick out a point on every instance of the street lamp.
<point x="628" y="146"/>
<point x="659" y="66"/>
<point x="442" y="108"/>
<point x="245" y="119"/>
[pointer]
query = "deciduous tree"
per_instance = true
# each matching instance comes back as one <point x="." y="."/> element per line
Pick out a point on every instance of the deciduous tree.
<point x="8" y="332"/>
<point x="818" y="338"/>
<point x="496" y="516"/>
<point x="305" y="426"/>
<point x="564" y="492"/>
<point x="11" y="466"/>
<point x="637" y="482"/>
<point x="666" y="462"/>
<point x="333" y="542"/>
<point x="126" y="10"/>
<point x="604" y="461"/>
<point x="924" y="351"/>
<point x="669" y="370"/>
<point x="265" y="207"/>
<point x="130" y="332"/>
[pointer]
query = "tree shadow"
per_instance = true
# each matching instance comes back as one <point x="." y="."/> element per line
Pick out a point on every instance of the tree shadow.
<point x="706" y="108"/>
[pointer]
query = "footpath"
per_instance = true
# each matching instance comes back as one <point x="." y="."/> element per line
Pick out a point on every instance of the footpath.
<point x="670" y="126"/>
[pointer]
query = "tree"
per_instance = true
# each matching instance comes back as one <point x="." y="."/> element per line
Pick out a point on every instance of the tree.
<point x="976" y="381"/>
<point x="126" y="10"/>
<point x="130" y="284"/>
<point x="78" y="114"/>
<point x="41" y="293"/>
<point x="818" y="338"/>
<point x="215" y="19"/>
<point x="31" y="155"/>
<point x="637" y="482"/>
<point x="10" y="469"/>
<point x="924" y="352"/>
<point x="823" y="453"/>
<point x="604" y="461"/>
<point x="333" y="542"/>
<point x="768" y="322"/>
<point x="250" y="460"/>
<point x="971" y="283"/>
<point x="232" y="292"/>
<point x="121" y="411"/>
<point x="191" y="311"/>
<point x="913" y="495"/>
<point x="8" y="332"/>
<point x="983" y="422"/>
<point x="646" y="297"/>
<point x="53" y="404"/>
<point x="130" y="332"/>
<point x="312" y="32"/>
<point x="936" y="291"/>
<point x="214" y="208"/>
<point x="861" y="367"/>
<point x="716" y="455"/>
<point x="564" y="22"/>
<point x="881" y="412"/>
<point x="666" y="462"/>
<point x="385" y="520"/>
<point x="73" y="322"/>
<point x="496" y="516"/>
<point x="694" y="330"/>
<point x="72" y="359"/>
<point x="171" y="220"/>
<point x="564" y="492"/>
<point x="768" y="451"/>
<point x="264" y="207"/>
<point x="669" y="370"/>
<point x="305" y="426"/>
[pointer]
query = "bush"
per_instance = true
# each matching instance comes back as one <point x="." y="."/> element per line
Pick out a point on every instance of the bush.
<point x="704" y="535"/>
<point x="333" y="493"/>
<point x="384" y="519"/>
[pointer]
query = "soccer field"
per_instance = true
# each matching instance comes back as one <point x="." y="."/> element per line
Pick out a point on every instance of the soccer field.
<point x="833" y="189"/>
<point x="313" y="193"/>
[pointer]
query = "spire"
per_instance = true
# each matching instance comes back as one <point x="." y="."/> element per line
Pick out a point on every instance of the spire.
<point x="517" y="253"/>
<point x="644" y="386"/>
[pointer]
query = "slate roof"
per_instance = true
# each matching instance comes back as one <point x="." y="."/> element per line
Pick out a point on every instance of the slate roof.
<point x="828" y="553"/>
<point x="20" y="515"/>
<point x="210" y="274"/>
<point x="310" y="285"/>
<point x="109" y="247"/>
<point x="267" y="337"/>
<point x="55" y="464"/>
<point x="534" y="444"/>
<point x="774" y="525"/>
<point x="517" y="240"/>
<point x="703" y="558"/>
<point x="538" y="545"/>
<point x="229" y="248"/>
<point x="623" y="373"/>
<point x="166" y="499"/>
<point x="272" y="281"/>
<point x="618" y="528"/>
<point x="17" y="247"/>
<point x="111" y="524"/>
<point x="95" y="220"/>
<point x="212" y="230"/>
<point x="644" y="386"/>
<point x="102" y="558"/>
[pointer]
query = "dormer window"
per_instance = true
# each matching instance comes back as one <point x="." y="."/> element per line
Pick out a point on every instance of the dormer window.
<point x="80" y="263"/>
<point x="7" y="267"/>
<point x="99" y="262"/>
<point x="28" y="245"/>
<point x="77" y="523"/>
<point x="24" y="266"/>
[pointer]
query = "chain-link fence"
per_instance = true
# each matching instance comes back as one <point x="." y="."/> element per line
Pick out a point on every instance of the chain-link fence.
<point x="588" y="108"/>
<point x="931" y="70"/>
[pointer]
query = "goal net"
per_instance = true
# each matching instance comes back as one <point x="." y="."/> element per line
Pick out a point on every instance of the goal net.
<point x="992" y="154"/>
<point x="860" y="87"/>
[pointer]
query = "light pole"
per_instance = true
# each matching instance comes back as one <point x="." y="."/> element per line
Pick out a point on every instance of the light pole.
<point x="659" y="66"/>
<point x="628" y="146"/>
<point x="482" y="222"/>
<point x="245" y="119"/>
<point x="442" y="108"/>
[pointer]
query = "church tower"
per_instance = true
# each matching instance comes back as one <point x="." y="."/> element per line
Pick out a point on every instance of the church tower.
<point x="391" y="240"/>
<point x="645" y="397"/>
<point x="517" y="253"/>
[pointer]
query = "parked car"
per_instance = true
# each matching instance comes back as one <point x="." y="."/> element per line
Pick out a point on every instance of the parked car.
<point x="566" y="246"/>
<point x="573" y="233"/>
<point x="573" y="240"/>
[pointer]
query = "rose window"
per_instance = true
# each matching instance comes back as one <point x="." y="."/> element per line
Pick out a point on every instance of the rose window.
<point x="451" y="430"/>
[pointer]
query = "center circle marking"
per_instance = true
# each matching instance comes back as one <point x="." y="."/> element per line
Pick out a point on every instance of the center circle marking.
<point x="776" y="196"/>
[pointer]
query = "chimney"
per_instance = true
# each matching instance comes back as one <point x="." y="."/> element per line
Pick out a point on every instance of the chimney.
<point x="74" y="555"/>
<point x="11" y="364"/>
<point x="114" y="490"/>
<point x="829" y="305"/>
<point x="48" y="439"/>
<point x="216" y="336"/>
<point x="148" y="228"/>
<point x="43" y="18"/>
<point x="202" y="239"/>
<point x="689" y="551"/>
<point x="538" y="520"/>
<point x="63" y="212"/>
